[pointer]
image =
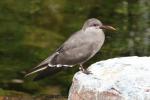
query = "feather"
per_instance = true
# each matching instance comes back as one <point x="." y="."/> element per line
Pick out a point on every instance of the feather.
<point x="47" y="72"/>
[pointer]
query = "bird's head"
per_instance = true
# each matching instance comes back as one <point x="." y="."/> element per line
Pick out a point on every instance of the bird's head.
<point x="95" y="23"/>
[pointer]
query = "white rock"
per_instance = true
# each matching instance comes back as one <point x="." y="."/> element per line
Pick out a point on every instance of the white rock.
<point x="125" y="78"/>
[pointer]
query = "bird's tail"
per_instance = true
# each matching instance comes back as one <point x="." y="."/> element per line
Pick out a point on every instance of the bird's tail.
<point x="44" y="65"/>
<point x="47" y="72"/>
<point x="36" y="69"/>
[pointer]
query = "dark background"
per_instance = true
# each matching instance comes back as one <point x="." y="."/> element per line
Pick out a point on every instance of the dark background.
<point x="30" y="30"/>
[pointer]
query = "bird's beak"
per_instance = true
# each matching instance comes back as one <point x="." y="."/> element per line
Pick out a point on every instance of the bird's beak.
<point x="107" y="27"/>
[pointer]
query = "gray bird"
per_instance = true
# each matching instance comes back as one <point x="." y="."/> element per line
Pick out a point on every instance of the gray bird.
<point x="78" y="49"/>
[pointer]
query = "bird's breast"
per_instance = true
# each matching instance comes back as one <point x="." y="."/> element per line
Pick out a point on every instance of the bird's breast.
<point x="96" y="37"/>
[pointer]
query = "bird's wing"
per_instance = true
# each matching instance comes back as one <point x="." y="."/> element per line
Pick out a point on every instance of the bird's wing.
<point x="79" y="47"/>
<point x="58" y="51"/>
<point x="69" y="44"/>
<point x="46" y="72"/>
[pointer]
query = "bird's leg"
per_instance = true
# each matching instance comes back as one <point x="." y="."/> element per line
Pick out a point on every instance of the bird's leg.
<point x="84" y="70"/>
<point x="81" y="68"/>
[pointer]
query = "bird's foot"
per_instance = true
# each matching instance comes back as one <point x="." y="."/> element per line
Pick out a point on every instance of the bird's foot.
<point x="85" y="71"/>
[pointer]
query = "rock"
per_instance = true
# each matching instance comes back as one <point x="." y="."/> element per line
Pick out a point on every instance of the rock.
<point x="125" y="78"/>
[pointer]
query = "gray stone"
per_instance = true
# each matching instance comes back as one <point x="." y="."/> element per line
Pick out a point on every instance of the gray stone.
<point x="125" y="78"/>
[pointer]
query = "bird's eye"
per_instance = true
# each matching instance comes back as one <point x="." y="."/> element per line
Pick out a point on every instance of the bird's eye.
<point x="95" y="24"/>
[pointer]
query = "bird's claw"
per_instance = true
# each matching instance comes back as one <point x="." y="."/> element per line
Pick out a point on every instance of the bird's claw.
<point x="86" y="72"/>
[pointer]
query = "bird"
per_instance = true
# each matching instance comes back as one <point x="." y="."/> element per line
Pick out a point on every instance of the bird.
<point x="76" y="50"/>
